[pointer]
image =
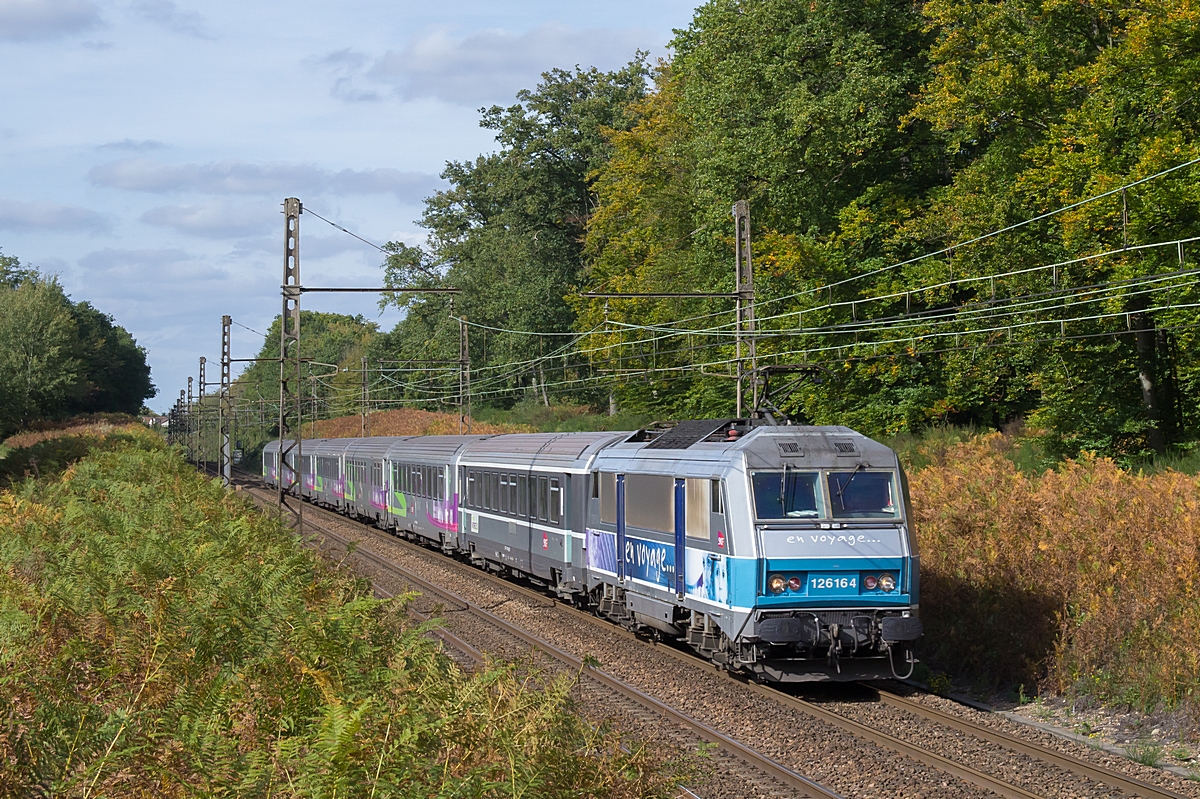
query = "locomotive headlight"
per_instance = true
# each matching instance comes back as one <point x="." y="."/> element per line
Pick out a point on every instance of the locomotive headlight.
<point x="776" y="583"/>
<point x="887" y="582"/>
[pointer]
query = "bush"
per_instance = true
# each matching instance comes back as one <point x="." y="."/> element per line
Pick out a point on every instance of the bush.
<point x="1083" y="578"/>
<point x="159" y="637"/>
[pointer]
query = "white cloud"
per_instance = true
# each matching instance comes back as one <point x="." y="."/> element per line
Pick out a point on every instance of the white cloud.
<point x="485" y="67"/>
<point x="22" y="20"/>
<point x="134" y="145"/>
<point x="170" y="16"/>
<point x="141" y="274"/>
<point x="241" y="177"/>
<point x="23" y="216"/>
<point x="346" y="66"/>
<point x="214" y="220"/>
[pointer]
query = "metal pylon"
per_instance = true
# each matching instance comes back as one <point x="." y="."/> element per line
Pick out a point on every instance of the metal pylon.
<point x="191" y="425"/>
<point x="226" y="454"/>
<point x="290" y="415"/>
<point x="745" y="305"/>
<point x="202" y="448"/>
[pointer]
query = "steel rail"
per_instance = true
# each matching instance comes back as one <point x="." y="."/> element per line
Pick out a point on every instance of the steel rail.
<point x="1131" y="785"/>
<point x="980" y="779"/>
<point x="708" y="734"/>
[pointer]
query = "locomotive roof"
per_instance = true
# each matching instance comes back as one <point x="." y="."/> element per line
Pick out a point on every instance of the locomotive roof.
<point x="768" y="446"/>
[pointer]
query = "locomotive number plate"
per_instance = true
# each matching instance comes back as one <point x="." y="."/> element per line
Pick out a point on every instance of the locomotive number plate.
<point x="832" y="584"/>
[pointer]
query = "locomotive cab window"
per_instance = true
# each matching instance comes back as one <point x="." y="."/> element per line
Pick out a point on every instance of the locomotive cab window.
<point x="863" y="495"/>
<point x="787" y="495"/>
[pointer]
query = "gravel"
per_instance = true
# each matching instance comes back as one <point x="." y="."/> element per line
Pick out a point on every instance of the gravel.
<point x="845" y="763"/>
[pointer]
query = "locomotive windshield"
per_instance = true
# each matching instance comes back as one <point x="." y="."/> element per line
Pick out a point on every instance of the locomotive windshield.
<point x="787" y="494"/>
<point x="863" y="495"/>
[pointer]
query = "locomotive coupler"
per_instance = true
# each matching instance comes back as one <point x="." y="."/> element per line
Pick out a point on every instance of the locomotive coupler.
<point x="835" y="646"/>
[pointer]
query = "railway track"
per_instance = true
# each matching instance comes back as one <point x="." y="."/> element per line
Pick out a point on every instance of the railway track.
<point x="1081" y="770"/>
<point x="791" y="783"/>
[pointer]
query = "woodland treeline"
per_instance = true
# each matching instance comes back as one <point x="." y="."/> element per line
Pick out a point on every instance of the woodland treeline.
<point x="875" y="143"/>
<point x="62" y="358"/>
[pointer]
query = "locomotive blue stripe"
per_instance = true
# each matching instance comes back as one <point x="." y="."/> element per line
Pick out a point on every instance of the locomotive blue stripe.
<point x="747" y="584"/>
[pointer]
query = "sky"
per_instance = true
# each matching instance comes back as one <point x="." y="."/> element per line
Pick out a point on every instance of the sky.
<point x="146" y="146"/>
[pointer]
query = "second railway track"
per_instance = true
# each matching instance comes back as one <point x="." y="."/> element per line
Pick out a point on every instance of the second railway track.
<point x="1017" y="768"/>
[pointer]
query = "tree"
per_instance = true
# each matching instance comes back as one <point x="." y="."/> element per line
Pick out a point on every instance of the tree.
<point x="39" y="367"/>
<point x="58" y="357"/>
<point x="115" y="377"/>
<point x="509" y="230"/>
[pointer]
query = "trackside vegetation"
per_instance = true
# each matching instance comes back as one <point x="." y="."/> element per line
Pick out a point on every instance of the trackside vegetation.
<point x="1080" y="579"/>
<point x="160" y="637"/>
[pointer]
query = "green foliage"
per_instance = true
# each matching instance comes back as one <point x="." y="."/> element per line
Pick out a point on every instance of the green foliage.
<point x="563" y="418"/>
<point x="59" y="357"/>
<point x="116" y="376"/>
<point x="159" y="637"/>
<point x="50" y="457"/>
<point x="509" y="231"/>
<point x="12" y="274"/>
<point x="875" y="143"/>
<point x="38" y="362"/>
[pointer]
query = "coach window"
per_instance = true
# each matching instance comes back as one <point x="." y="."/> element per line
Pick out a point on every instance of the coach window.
<point x="504" y="493"/>
<point x="555" y="500"/>
<point x="608" y="497"/>
<point x="513" y="502"/>
<point x="523" y="497"/>
<point x="441" y="487"/>
<point x="698" y="508"/>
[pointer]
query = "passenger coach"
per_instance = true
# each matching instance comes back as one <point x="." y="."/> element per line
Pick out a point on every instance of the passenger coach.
<point x="781" y="551"/>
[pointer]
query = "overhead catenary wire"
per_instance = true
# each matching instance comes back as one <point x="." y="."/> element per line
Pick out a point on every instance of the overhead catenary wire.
<point x="308" y="210"/>
<point x="924" y="325"/>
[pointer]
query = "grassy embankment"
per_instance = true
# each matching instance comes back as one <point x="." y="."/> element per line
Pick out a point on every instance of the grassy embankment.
<point x="159" y="637"/>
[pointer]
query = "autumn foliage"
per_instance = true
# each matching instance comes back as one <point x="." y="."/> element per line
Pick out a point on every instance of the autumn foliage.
<point x="1082" y="578"/>
<point x="406" y="422"/>
<point x="159" y="638"/>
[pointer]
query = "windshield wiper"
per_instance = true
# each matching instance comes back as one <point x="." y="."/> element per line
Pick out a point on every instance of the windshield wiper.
<point x="783" y="490"/>
<point x="842" y="487"/>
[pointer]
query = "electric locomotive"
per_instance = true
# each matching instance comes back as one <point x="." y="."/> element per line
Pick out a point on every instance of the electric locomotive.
<point x="781" y="551"/>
